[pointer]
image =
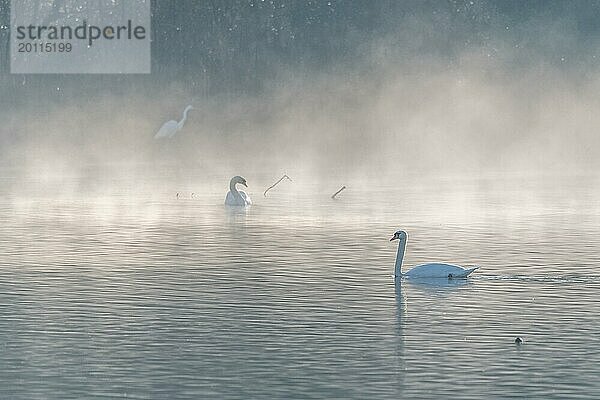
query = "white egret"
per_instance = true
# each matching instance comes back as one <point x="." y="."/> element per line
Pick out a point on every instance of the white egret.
<point x="170" y="128"/>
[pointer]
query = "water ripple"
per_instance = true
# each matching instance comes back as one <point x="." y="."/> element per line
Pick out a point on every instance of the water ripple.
<point x="296" y="300"/>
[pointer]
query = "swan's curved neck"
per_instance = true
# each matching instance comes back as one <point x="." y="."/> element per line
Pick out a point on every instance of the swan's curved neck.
<point x="232" y="187"/>
<point x="400" y="257"/>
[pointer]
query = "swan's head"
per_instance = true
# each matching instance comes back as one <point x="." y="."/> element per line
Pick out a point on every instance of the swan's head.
<point x="399" y="235"/>
<point x="240" y="180"/>
<point x="188" y="108"/>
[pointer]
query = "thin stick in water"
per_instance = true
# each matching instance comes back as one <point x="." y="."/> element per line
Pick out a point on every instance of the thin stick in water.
<point x="276" y="183"/>
<point x="338" y="192"/>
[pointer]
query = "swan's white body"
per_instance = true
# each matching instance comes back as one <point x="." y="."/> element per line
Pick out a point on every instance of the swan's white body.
<point x="437" y="270"/>
<point x="434" y="270"/>
<point x="235" y="197"/>
<point x="170" y="128"/>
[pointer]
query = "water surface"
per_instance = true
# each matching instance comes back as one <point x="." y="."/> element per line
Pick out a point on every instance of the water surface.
<point x="114" y="296"/>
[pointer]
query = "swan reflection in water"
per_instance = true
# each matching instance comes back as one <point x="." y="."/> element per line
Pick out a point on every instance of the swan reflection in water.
<point x="399" y="349"/>
<point x="430" y="287"/>
<point x="435" y="285"/>
<point x="236" y="215"/>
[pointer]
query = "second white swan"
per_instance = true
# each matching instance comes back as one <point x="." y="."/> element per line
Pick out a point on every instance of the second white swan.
<point x="435" y="270"/>
<point x="237" y="198"/>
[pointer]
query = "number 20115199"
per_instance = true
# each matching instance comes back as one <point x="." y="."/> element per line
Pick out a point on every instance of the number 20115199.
<point x="44" y="47"/>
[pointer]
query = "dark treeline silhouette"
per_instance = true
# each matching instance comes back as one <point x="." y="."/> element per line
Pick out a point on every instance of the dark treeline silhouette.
<point x="215" y="47"/>
<point x="219" y="47"/>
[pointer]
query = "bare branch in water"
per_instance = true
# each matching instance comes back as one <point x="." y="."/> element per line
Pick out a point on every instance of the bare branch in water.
<point x="276" y="183"/>
<point x="338" y="192"/>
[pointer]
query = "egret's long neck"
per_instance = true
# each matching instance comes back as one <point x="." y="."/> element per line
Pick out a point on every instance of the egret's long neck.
<point x="232" y="187"/>
<point x="400" y="257"/>
<point x="182" y="122"/>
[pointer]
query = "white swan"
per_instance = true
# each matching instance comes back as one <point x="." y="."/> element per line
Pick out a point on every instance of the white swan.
<point x="236" y="197"/>
<point x="170" y="128"/>
<point x="435" y="270"/>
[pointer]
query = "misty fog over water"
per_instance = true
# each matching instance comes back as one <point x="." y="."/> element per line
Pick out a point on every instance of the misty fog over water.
<point x="342" y="90"/>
